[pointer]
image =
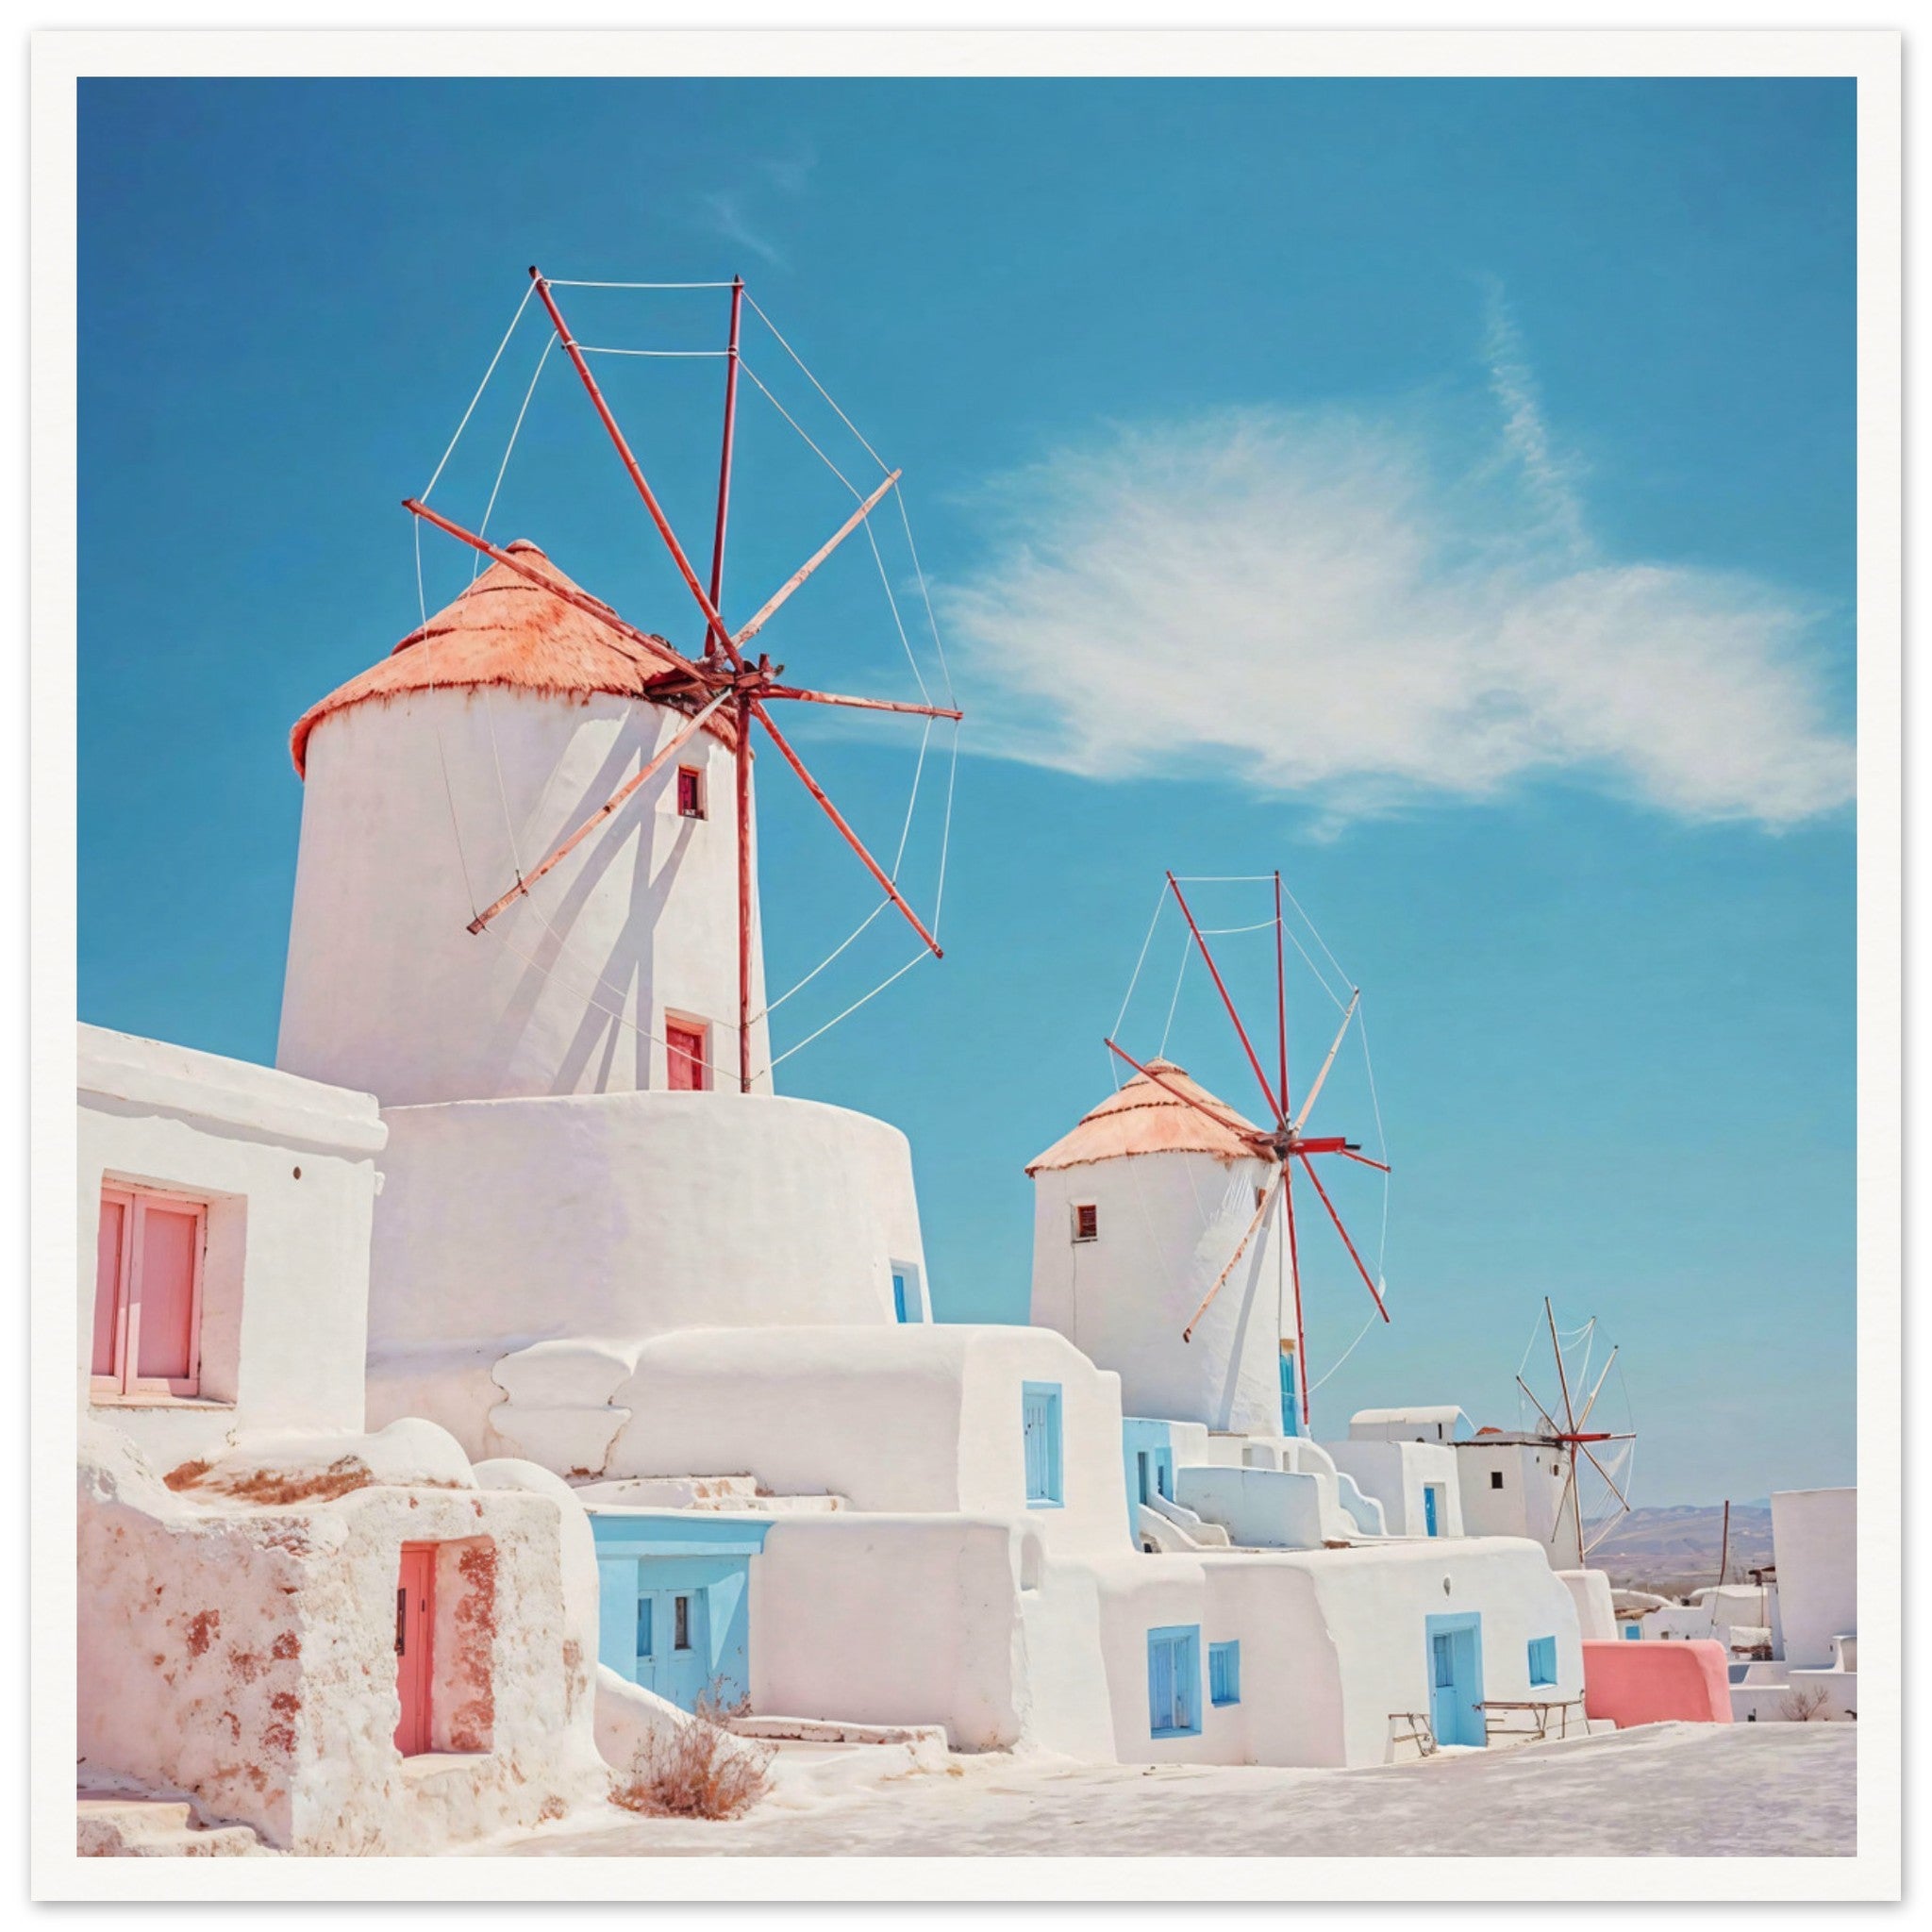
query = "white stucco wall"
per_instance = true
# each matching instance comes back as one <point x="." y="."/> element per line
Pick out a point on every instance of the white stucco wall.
<point x="1332" y="1641"/>
<point x="894" y="1419"/>
<point x="619" y="1217"/>
<point x="1596" y="1615"/>
<point x="286" y="1270"/>
<point x="1396" y="1472"/>
<point x="387" y="989"/>
<point x="1167" y="1224"/>
<point x="1815" y="1541"/>
<point x="1532" y="1501"/>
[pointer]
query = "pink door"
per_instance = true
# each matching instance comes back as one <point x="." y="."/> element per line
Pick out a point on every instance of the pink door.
<point x="412" y="1647"/>
<point x="685" y="1056"/>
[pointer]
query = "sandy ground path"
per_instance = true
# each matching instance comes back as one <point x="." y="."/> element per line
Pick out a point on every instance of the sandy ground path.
<point x="1667" y="1790"/>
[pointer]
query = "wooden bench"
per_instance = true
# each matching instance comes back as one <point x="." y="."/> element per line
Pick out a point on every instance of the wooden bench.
<point x="1540" y="1708"/>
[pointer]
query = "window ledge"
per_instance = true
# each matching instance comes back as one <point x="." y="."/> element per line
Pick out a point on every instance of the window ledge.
<point x="429" y="1764"/>
<point x="1044" y="1502"/>
<point x="200" y="1402"/>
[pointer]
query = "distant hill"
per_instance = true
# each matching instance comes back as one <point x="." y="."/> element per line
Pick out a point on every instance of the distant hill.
<point x="1674" y="1550"/>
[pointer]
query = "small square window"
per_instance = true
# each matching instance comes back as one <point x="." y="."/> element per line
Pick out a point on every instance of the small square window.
<point x="686" y="1058"/>
<point x="690" y="792"/>
<point x="1496" y="1478"/>
<point x="1086" y="1222"/>
<point x="1542" y="1659"/>
<point x="1223" y="1673"/>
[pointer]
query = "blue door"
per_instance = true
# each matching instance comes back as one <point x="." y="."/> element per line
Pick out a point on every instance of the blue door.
<point x="1455" y="1678"/>
<point x="1291" y="1406"/>
<point x="1431" y="1521"/>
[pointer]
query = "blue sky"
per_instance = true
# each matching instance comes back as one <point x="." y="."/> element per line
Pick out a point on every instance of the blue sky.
<point x="1443" y="492"/>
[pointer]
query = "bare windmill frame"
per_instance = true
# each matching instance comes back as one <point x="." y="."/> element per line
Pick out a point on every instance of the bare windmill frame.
<point x="1572" y="1439"/>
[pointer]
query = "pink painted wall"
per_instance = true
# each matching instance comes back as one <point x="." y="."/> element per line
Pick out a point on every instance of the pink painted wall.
<point x="1648" y="1683"/>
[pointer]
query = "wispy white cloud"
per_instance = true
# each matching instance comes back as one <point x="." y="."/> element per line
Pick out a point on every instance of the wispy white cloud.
<point x="1319" y="603"/>
<point x="737" y="213"/>
<point x="725" y="212"/>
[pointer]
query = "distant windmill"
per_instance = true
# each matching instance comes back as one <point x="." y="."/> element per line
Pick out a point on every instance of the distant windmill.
<point x="722" y="681"/>
<point x="1572" y="1439"/>
<point x="1281" y="1145"/>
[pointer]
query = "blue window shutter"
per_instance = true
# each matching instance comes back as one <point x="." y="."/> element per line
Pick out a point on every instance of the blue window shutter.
<point x="1542" y="1659"/>
<point x="1223" y="1672"/>
<point x="1429" y="1510"/>
<point x="1445" y="1659"/>
<point x="644" y="1627"/>
<point x="899" y="1297"/>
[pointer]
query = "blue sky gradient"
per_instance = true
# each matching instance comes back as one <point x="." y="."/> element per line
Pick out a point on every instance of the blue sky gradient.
<point x="1519" y="631"/>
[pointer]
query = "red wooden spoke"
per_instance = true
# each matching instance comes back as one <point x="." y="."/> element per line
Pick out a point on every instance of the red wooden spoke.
<point x="1349" y="1153"/>
<point x="579" y="600"/>
<point x="724" y="456"/>
<point x="1221" y="986"/>
<point x="833" y="697"/>
<point x="1240" y="1128"/>
<point x="1261" y="1208"/>
<point x="636" y="473"/>
<point x="1309" y="1166"/>
<point x="852" y="839"/>
<point x="683" y="737"/>
<point x="1294" y="1275"/>
<point x="812" y="563"/>
<point x="1281" y="996"/>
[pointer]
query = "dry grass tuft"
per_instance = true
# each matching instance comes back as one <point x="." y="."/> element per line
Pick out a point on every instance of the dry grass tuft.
<point x="700" y="1771"/>
<point x="1803" y="1707"/>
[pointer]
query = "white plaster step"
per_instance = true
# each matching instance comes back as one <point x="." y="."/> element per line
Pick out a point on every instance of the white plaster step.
<point x="714" y="1492"/>
<point x="927" y="1742"/>
<point x="112" y="1825"/>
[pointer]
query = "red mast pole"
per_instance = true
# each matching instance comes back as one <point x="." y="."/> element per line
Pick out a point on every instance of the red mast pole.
<point x="1294" y="1269"/>
<point x="1281" y="996"/>
<point x="741" y="751"/>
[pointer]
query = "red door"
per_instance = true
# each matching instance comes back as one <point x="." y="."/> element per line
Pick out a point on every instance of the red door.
<point x="412" y="1647"/>
<point x="684" y="1054"/>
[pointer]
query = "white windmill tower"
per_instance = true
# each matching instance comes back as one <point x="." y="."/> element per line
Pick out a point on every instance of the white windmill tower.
<point x="1167" y="1239"/>
<point x="527" y="919"/>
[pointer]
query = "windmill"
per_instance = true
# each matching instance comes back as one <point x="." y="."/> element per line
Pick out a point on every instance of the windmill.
<point x="1280" y="1146"/>
<point x="723" y="683"/>
<point x="1572" y="1439"/>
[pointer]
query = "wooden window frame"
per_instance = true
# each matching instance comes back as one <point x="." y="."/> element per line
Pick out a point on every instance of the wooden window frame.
<point x="124" y="1385"/>
<point x="1223" y="1673"/>
<point x="696" y="775"/>
<point x="1086" y="1207"/>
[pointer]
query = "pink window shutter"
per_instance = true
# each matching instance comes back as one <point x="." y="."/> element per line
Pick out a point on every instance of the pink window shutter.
<point x="167" y="1260"/>
<point x="108" y="1271"/>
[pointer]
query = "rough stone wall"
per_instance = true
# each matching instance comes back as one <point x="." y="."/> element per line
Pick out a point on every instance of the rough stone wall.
<point x="244" y="1655"/>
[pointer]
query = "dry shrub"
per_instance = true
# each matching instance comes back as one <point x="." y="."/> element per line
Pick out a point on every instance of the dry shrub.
<point x="1803" y="1707"/>
<point x="698" y="1770"/>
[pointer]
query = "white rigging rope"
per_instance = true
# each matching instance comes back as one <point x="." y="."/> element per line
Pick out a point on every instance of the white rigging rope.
<point x="814" y="381"/>
<point x="501" y="346"/>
